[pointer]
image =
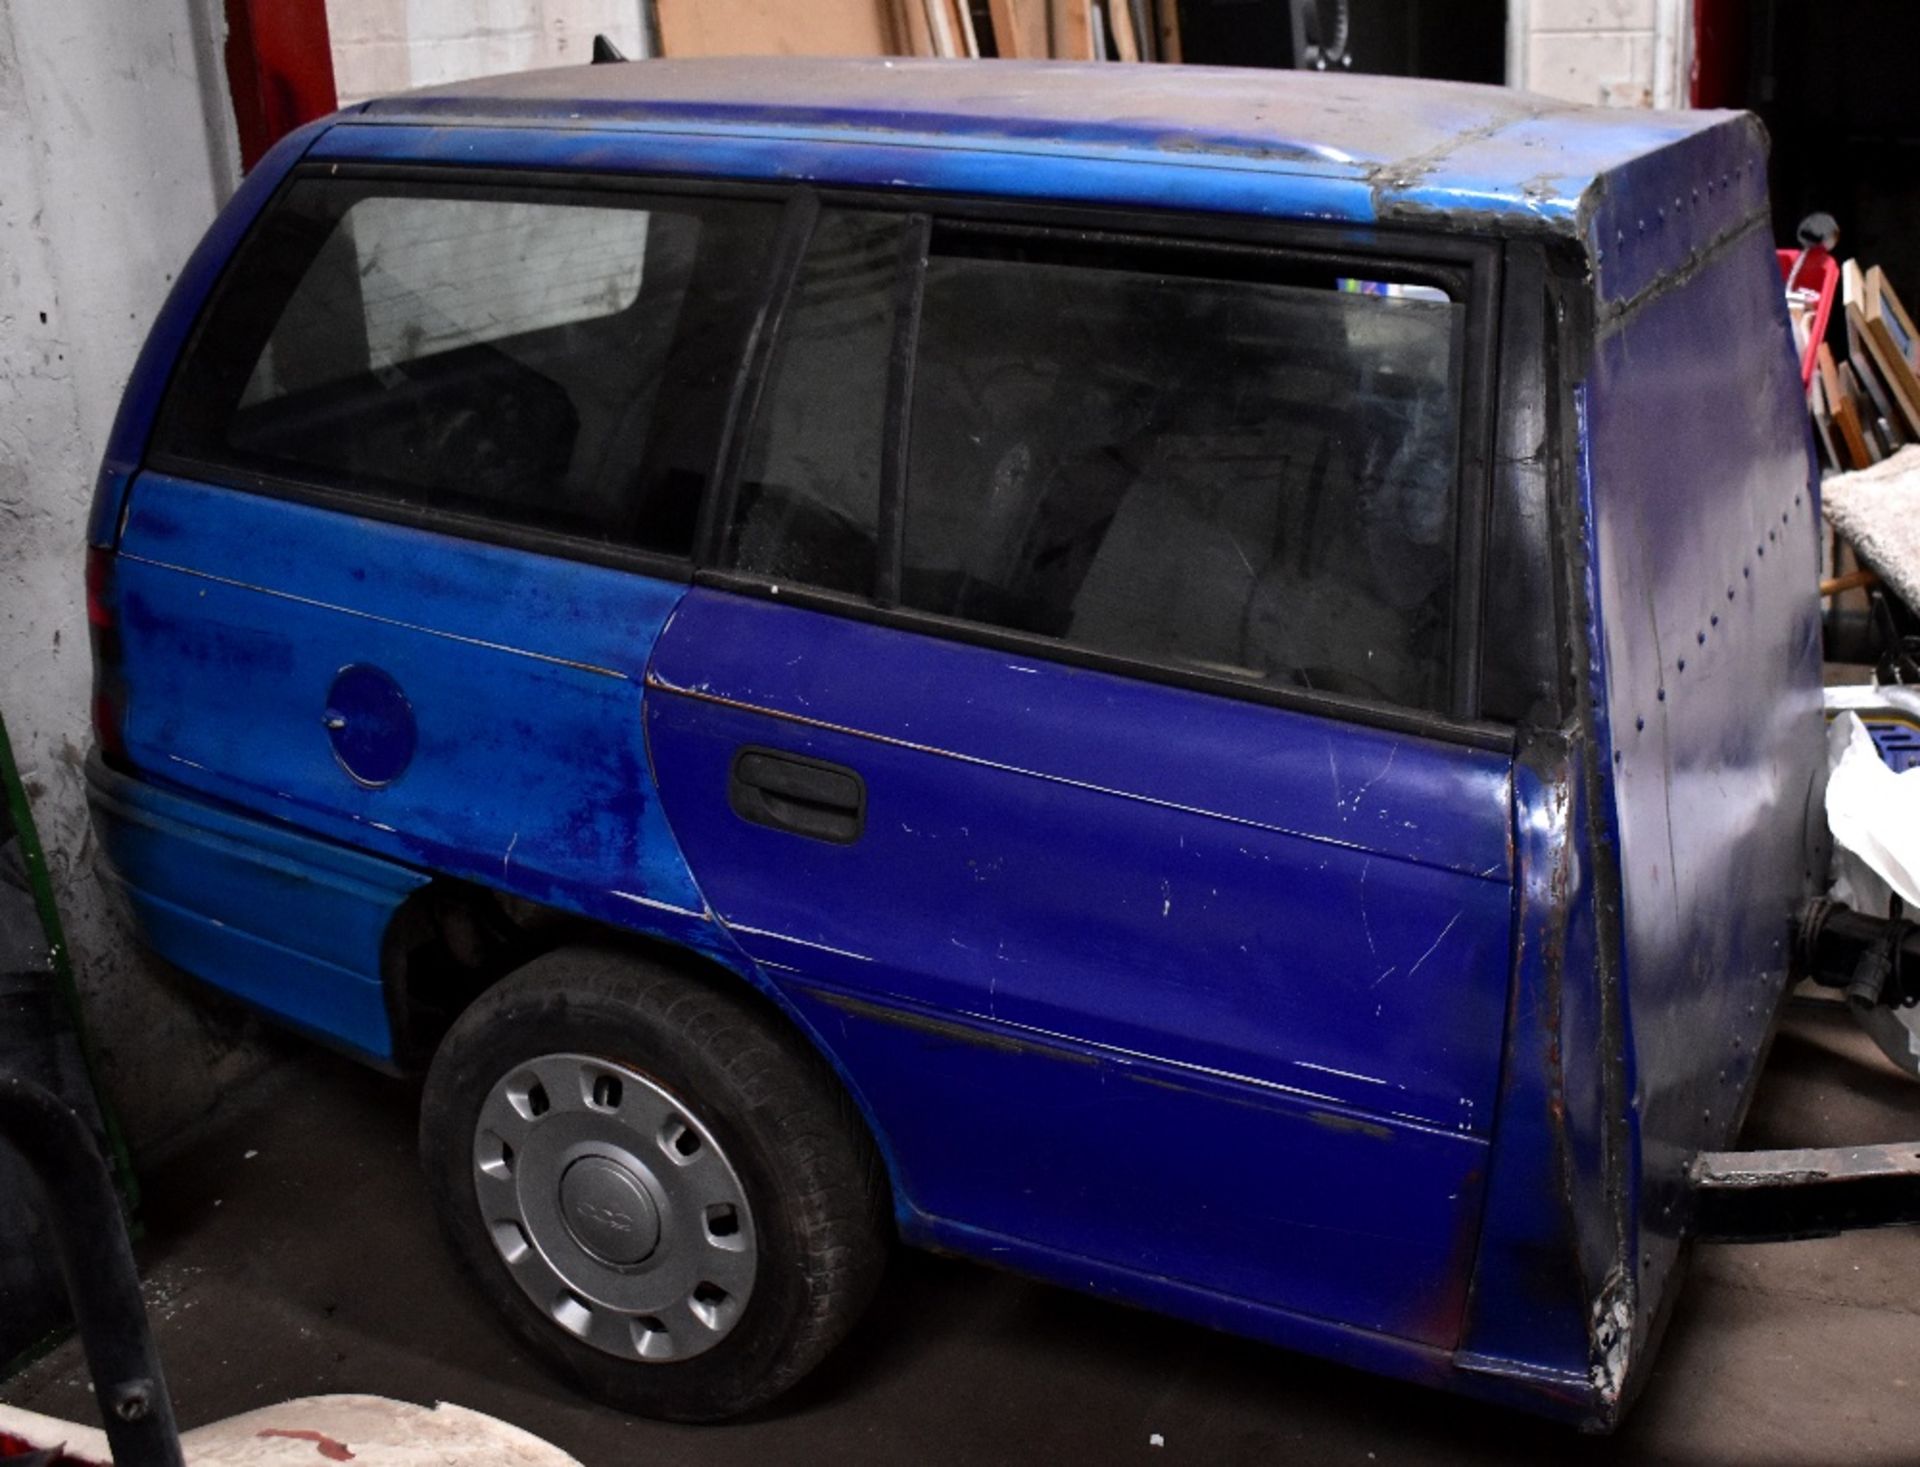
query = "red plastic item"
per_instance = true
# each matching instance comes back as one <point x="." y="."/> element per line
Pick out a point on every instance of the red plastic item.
<point x="1815" y="270"/>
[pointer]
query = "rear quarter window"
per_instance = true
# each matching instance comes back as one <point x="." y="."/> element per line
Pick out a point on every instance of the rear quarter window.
<point x="522" y="357"/>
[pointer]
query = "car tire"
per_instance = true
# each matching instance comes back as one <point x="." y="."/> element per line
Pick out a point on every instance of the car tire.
<point x="661" y="1186"/>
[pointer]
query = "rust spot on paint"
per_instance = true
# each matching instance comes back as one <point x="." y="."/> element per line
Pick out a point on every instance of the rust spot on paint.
<point x="1352" y="1124"/>
<point x="332" y="1450"/>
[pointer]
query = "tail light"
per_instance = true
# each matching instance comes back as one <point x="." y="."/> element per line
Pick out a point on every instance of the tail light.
<point x="109" y="687"/>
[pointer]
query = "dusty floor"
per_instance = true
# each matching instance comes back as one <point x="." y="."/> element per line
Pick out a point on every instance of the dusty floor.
<point x="290" y="1252"/>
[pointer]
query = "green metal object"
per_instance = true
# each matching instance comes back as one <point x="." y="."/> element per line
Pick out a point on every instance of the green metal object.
<point x="65" y="992"/>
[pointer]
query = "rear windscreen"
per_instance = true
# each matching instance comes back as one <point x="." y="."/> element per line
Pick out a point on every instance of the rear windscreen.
<point x="556" y="361"/>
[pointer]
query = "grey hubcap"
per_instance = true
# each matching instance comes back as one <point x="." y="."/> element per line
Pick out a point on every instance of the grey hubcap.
<point x="614" y="1208"/>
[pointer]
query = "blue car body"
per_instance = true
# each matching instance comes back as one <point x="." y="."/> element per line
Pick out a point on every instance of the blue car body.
<point x="1379" y="1036"/>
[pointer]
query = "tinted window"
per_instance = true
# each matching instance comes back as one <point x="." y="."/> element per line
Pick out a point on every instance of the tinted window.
<point x="809" y="497"/>
<point x="540" y="359"/>
<point x="1205" y="459"/>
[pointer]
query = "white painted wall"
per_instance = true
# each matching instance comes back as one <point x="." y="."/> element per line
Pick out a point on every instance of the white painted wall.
<point x="383" y="46"/>
<point x="116" y="146"/>
<point x="1619" y="53"/>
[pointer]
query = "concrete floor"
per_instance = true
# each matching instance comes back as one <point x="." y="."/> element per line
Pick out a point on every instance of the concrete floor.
<point x="290" y="1252"/>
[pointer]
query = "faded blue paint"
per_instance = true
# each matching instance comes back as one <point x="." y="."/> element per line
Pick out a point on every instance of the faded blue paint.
<point x="290" y="923"/>
<point x="1268" y="924"/>
<point x="1532" y="1272"/>
<point x="524" y="674"/>
<point x="805" y="156"/>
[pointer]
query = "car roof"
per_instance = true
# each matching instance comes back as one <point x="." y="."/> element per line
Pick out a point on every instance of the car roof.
<point x="1472" y="157"/>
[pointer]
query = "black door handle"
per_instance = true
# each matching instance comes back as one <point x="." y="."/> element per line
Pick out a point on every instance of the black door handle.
<point x="790" y="792"/>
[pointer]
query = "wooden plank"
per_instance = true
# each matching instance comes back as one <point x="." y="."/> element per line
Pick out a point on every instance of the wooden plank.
<point x="1072" y="29"/>
<point x="1019" y="28"/>
<point x="1875" y="412"/>
<point x="1890" y="334"/>
<point x="940" y="22"/>
<point x="774" y="27"/>
<point x="1842" y="409"/>
<point x="916" y="34"/>
<point x="963" y="18"/>
<point x="1831" y="453"/>
<point x="1167" y="13"/>
<point x="1873" y="364"/>
<point x="1120" y="24"/>
<point x="1143" y="28"/>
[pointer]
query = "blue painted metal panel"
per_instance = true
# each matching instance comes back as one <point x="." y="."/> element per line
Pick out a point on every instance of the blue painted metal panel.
<point x="1167" y="1172"/>
<point x="1545" y="1245"/>
<point x="1705" y="549"/>
<point x="1339" y="784"/>
<point x="523" y="673"/>
<point x="1245" y="909"/>
<point x="291" y="924"/>
<point x="1172" y="182"/>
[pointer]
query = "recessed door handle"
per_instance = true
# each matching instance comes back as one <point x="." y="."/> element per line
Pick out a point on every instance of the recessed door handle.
<point x="804" y="796"/>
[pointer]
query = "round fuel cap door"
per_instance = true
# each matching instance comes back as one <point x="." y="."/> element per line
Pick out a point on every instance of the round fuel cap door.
<point x="370" y="724"/>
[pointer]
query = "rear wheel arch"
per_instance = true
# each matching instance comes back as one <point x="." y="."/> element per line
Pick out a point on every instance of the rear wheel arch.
<point x="453" y="941"/>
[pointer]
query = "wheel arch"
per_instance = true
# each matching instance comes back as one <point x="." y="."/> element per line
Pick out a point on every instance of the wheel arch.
<point x="452" y="940"/>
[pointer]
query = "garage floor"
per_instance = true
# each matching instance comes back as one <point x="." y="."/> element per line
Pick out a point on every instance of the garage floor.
<point x="290" y="1252"/>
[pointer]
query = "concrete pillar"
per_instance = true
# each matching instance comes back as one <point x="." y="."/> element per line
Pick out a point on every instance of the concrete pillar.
<point x="116" y="147"/>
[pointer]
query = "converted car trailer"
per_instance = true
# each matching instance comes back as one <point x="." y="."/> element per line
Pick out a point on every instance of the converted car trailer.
<point x="1203" y="684"/>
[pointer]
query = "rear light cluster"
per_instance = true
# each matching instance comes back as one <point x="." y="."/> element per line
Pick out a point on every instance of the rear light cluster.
<point x="109" y="686"/>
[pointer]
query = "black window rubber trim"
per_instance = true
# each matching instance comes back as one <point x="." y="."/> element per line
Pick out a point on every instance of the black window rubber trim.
<point x="1411" y="253"/>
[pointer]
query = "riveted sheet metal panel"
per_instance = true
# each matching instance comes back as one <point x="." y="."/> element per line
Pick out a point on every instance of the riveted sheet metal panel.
<point x="1704" y="534"/>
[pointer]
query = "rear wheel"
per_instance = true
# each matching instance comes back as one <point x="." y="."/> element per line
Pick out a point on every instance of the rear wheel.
<point x="661" y="1187"/>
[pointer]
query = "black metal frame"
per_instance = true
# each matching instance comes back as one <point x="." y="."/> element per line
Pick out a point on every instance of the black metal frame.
<point x="1781" y="1196"/>
<point x="83" y="1216"/>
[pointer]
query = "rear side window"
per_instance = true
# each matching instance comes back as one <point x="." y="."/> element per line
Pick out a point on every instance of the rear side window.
<point x="1223" y="460"/>
<point x="538" y="359"/>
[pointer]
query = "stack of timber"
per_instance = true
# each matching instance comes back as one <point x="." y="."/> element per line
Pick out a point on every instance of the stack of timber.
<point x="1865" y="401"/>
<point x="1067" y="30"/>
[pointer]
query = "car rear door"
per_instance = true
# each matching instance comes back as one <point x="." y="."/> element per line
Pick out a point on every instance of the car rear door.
<point x="1073" y="726"/>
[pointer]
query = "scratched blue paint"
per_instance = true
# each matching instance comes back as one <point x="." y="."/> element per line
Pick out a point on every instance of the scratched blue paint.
<point x="1356" y="1227"/>
<point x="1362" y="1043"/>
<point x="290" y="923"/>
<point x="1261" y="918"/>
<point x="524" y="675"/>
<point x="1531" y="1280"/>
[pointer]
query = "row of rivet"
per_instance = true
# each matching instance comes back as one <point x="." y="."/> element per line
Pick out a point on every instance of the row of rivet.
<point x="1700" y="638"/>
